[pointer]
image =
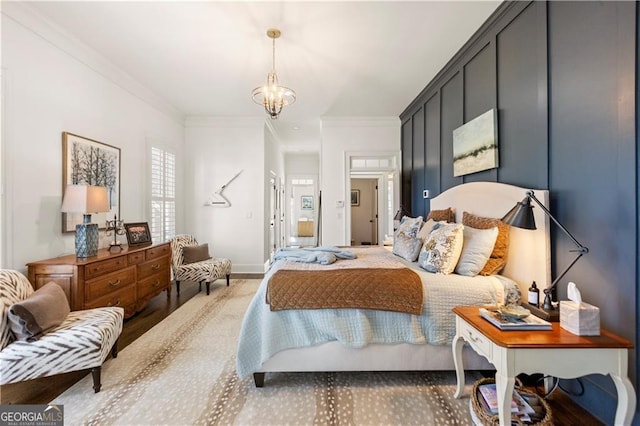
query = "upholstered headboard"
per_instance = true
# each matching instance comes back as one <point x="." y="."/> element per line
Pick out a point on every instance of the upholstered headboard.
<point x="529" y="251"/>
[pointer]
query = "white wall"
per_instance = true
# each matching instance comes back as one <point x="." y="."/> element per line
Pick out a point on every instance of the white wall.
<point x="339" y="136"/>
<point x="215" y="150"/>
<point x="53" y="85"/>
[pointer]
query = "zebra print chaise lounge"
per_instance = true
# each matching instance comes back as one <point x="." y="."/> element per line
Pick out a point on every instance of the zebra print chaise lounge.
<point x="192" y="262"/>
<point x="82" y="341"/>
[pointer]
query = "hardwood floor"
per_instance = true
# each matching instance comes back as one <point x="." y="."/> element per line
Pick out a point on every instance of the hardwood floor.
<point x="44" y="390"/>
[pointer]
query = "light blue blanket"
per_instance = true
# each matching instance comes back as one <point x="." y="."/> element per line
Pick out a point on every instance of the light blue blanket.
<point x="324" y="255"/>
<point x="265" y="332"/>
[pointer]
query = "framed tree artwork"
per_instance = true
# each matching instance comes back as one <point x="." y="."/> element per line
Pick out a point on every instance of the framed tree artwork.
<point x="89" y="162"/>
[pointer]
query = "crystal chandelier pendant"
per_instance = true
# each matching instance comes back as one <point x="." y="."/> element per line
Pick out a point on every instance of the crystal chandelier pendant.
<point x="272" y="96"/>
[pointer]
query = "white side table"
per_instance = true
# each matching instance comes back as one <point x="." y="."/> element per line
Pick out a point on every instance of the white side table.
<point x="557" y="352"/>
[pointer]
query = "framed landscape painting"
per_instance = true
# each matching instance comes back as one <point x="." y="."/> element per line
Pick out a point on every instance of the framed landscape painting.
<point x="475" y="145"/>
<point x="89" y="162"/>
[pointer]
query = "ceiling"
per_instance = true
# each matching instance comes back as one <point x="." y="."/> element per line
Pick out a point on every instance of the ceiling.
<point x="343" y="59"/>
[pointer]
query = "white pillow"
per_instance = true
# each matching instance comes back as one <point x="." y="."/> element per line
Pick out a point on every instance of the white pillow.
<point x="442" y="249"/>
<point x="476" y="250"/>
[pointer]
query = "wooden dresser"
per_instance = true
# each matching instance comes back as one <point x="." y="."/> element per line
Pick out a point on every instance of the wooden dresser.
<point x="129" y="278"/>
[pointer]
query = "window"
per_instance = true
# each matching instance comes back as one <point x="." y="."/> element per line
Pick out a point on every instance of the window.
<point x="163" y="195"/>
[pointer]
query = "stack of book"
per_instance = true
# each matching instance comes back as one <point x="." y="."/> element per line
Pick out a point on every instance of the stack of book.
<point x="503" y="322"/>
<point x="526" y="408"/>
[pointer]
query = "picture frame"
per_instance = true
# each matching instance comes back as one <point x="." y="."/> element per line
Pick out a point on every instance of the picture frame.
<point x="89" y="162"/>
<point x="355" y="197"/>
<point x="137" y="233"/>
<point x="306" y="202"/>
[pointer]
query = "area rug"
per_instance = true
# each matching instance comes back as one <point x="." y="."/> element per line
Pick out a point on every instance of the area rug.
<point x="182" y="372"/>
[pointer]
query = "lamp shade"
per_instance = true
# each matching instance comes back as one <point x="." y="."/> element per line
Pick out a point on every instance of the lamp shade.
<point x="521" y="215"/>
<point x="85" y="199"/>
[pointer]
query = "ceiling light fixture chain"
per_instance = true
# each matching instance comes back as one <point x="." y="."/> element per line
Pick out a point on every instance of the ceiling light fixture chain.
<point x="272" y="96"/>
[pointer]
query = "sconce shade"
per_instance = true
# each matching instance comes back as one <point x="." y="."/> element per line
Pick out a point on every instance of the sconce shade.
<point x="86" y="199"/>
<point x="401" y="213"/>
<point x="521" y="215"/>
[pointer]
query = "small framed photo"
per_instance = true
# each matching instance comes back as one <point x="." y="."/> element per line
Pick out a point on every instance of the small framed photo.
<point x="307" y="202"/>
<point x="355" y="197"/>
<point x="137" y="233"/>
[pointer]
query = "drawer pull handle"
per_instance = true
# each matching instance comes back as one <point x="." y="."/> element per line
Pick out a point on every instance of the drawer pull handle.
<point x="156" y="266"/>
<point x="115" y="284"/>
<point x="157" y="283"/>
<point x="471" y="337"/>
<point x="117" y="303"/>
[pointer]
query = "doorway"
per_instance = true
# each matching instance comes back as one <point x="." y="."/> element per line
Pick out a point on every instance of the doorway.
<point x="364" y="211"/>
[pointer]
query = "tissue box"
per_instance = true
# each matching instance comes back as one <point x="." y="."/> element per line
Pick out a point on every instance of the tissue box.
<point x="582" y="319"/>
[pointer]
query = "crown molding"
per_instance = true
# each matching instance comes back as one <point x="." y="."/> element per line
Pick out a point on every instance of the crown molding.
<point x="211" y="121"/>
<point x="25" y="15"/>
<point x="360" y="121"/>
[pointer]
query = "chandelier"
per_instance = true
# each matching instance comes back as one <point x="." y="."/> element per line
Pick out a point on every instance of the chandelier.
<point x="272" y="96"/>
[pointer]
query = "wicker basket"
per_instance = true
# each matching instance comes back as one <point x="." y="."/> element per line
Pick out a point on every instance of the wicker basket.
<point x="482" y="416"/>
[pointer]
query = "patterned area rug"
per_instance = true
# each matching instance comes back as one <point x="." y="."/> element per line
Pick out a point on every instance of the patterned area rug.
<point x="182" y="372"/>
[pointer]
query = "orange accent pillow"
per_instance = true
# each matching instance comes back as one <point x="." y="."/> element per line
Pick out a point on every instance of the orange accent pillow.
<point x="498" y="258"/>
<point x="448" y="215"/>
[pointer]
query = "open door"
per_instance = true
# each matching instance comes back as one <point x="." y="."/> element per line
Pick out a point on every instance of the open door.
<point x="364" y="212"/>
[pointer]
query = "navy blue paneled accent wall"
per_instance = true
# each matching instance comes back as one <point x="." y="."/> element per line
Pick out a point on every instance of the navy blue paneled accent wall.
<point x="563" y="77"/>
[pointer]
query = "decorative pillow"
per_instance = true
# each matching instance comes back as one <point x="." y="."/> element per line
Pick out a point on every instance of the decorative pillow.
<point x="429" y="226"/>
<point x="407" y="247"/>
<point x="409" y="226"/>
<point x="442" y="249"/>
<point x="501" y="248"/>
<point x="192" y="254"/>
<point x="45" y="309"/>
<point x="448" y="215"/>
<point x="476" y="250"/>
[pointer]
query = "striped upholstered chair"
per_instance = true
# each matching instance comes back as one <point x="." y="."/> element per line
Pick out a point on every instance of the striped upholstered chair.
<point x="82" y="341"/>
<point x="207" y="270"/>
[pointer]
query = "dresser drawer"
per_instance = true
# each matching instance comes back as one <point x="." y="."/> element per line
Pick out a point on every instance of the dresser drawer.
<point x="155" y="252"/>
<point x="153" y="284"/>
<point x="480" y="343"/>
<point x="96" y="269"/>
<point x="152" y="267"/>
<point x="135" y="258"/>
<point x="109" y="283"/>
<point x="123" y="298"/>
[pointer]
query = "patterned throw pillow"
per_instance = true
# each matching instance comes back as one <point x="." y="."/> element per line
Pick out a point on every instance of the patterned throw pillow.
<point x="429" y="226"/>
<point x="476" y="250"/>
<point x="448" y="215"/>
<point x="442" y="249"/>
<point x="501" y="248"/>
<point x="407" y="247"/>
<point x="409" y="226"/>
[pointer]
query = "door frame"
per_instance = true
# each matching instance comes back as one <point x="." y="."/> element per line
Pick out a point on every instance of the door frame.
<point x="385" y="221"/>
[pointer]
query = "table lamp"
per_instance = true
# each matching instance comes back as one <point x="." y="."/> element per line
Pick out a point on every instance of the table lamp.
<point x="521" y="216"/>
<point x="85" y="199"/>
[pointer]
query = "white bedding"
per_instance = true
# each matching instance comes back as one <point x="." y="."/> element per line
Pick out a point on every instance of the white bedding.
<point x="264" y="333"/>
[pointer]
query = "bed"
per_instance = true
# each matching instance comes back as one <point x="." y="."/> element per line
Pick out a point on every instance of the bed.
<point x="395" y="341"/>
